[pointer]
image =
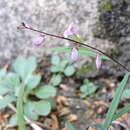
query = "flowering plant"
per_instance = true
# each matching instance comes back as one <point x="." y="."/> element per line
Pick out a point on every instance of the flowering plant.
<point x="75" y="43"/>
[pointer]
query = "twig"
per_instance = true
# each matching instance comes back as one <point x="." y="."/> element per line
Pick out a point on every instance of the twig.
<point x="121" y="124"/>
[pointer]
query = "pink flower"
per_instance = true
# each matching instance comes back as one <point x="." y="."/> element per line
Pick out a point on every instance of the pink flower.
<point x="70" y="31"/>
<point x="39" y="40"/>
<point x="74" y="54"/>
<point x="98" y="61"/>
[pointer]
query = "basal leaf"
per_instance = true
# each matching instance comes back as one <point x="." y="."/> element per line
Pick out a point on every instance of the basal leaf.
<point x="43" y="107"/>
<point x="33" y="82"/>
<point x="6" y="100"/>
<point x="45" y="91"/>
<point x="30" y="110"/>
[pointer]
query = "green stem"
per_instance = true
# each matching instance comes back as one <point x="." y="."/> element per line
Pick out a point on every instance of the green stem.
<point x="20" y="112"/>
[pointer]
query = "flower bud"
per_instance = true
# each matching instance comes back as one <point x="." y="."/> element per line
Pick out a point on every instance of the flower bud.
<point x="98" y="61"/>
<point x="39" y="41"/>
<point x="74" y="54"/>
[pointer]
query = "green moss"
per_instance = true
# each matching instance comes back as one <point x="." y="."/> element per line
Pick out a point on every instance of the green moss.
<point x="106" y="5"/>
<point x="86" y="68"/>
<point x="115" y="52"/>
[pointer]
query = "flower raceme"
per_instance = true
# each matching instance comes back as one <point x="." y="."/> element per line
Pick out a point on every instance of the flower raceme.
<point x="70" y="31"/>
<point x="74" y="51"/>
<point x="39" y="40"/>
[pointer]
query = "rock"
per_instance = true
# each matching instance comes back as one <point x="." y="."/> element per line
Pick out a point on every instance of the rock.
<point x="115" y="23"/>
<point x="51" y="16"/>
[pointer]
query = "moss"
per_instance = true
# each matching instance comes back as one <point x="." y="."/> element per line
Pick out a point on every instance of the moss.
<point x="107" y="6"/>
<point x="86" y="68"/>
<point x="115" y="52"/>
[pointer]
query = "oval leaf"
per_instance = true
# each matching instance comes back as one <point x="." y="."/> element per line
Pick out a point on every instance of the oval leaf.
<point x="33" y="82"/>
<point x="55" y="60"/>
<point x="69" y="70"/>
<point x="43" y="107"/>
<point x="30" y="111"/>
<point x="45" y="92"/>
<point x="56" y="79"/>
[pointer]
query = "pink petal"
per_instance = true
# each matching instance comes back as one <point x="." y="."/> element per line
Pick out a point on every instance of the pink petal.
<point x="39" y="41"/>
<point x="98" y="61"/>
<point x="74" y="54"/>
<point x="73" y="30"/>
<point x="70" y="31"/>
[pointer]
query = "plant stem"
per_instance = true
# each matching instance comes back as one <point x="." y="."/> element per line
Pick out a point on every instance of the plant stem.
<point x="20" y="112"/>
<point x="80" y="43"/>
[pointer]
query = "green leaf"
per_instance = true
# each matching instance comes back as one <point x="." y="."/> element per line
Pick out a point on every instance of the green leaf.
<point x="31" y="65"/>
<point x="87" y="88"/>
<point x="9" y="83"/>
<point x="56" y="79"/>
<point x="13" y="120"/>
<point x="20" y="66"/>
<point x="6" y="100"/>
<point x="55" y="69"/>
<point x="69" y="126"/>
<point x="55" y="60"/>
<point x="121" y="112"/>
<point x="69" y="70"/>
<point x="43" y="108"/>
<point x="12" y="80"/>
<point x="65" y="49"/>
<point x="30" y="110"/>
<point x="62" y="65"/>
<point x="2" y="73"/>
<point x="33" y="82"/>
<point x="4" y="90"/>
<point x="45" y="91"/>
<point x="115" y="101"/>
<point x="25" y="67"/>
<point x="59" y="68"/>
<point x="87" y="52"/>
<point x="126" y="94"/>
<point x="52" y="101"/>
<point x="34" y="109"/>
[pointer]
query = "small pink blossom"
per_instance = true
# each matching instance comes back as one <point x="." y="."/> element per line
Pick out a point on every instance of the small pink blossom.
<point x="70" y="31"/>
<point x="98" y="61"/>
<point x="39" y="41"/>
<point x="74" y="54"/>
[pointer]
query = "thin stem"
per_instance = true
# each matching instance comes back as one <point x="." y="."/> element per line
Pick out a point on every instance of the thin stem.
<point x="80" y="43"/>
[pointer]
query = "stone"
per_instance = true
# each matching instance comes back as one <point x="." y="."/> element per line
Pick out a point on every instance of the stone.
<point x="51" y="16"/>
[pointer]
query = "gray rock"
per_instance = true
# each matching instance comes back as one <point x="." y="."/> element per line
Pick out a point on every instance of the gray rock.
<point x="51" y="16"/>
<point x="115" y="27"/>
